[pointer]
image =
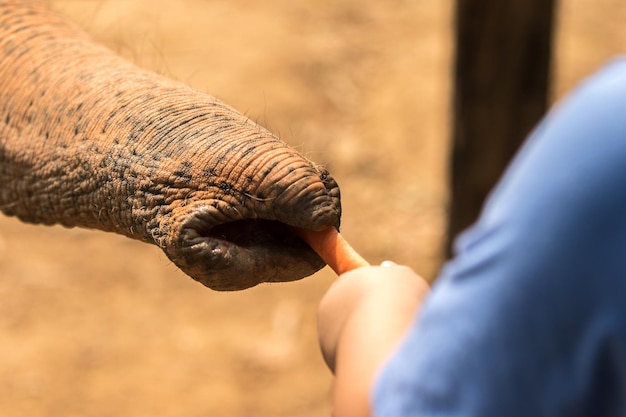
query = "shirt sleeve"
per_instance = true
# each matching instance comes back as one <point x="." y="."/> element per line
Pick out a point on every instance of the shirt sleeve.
<point x="529" y="318"/>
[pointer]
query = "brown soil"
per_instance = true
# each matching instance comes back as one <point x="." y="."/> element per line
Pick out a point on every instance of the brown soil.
<point x="93" y="324"/>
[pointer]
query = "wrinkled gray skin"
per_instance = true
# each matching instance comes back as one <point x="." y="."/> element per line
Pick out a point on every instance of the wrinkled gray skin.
<point x="89" y="140"/>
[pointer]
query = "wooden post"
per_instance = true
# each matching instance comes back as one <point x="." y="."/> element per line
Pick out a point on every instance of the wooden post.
<point x="501" y="75"/>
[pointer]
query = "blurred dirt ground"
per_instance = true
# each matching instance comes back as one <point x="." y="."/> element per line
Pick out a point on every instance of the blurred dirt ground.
<point x="93" y="324"/>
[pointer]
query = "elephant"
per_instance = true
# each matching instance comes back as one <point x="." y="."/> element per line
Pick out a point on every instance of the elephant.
<point x="88" y="139"/>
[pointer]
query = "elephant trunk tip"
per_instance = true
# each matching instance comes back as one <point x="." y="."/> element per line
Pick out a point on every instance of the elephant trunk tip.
<point x="228" y="247"/>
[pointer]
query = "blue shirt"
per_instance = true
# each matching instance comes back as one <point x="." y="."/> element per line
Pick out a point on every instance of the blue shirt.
<point x="529" y="318"/>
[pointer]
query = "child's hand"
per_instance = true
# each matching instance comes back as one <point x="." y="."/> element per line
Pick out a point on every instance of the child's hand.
<point x="362" y="319"/>
<point x="371" y="296"/>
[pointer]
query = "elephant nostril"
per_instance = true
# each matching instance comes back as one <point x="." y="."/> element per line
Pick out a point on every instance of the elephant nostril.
<point x="242" y="253"/>
<point x="251" y="232"/>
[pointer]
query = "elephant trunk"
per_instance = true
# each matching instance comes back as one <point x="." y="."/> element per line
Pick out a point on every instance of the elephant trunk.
<point x="89" y="140"/>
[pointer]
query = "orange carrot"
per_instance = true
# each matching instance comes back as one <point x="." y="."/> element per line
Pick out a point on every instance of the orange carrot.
<point x="333" y="249"/>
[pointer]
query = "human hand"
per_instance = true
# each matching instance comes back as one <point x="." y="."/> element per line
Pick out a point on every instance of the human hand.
<point x="361" y="320"/>
<point x="362" y="317"/>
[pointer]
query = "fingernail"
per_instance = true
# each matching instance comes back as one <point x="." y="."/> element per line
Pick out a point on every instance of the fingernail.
<point x="388" y="264"/>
